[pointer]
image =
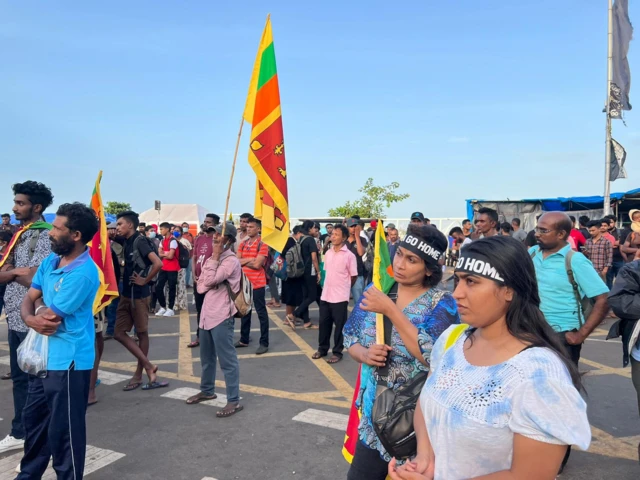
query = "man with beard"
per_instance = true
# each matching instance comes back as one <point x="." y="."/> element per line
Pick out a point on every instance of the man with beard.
<point x="28" y="248"/>
<point x="141" y="265"/>
<point x="6" y="224"/>
<point x="553" y="258"/>
<point x="59" y="304"/>
<point x="243" y="236"/>
<point x="486" y="223"/>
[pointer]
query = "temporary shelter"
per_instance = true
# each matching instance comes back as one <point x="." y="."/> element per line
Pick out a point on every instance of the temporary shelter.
<point x="527" y="209"/>
<point x="175" y="213"/>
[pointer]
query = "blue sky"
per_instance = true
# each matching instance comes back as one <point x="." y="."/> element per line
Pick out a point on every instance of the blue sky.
<point x="454" y="100"/>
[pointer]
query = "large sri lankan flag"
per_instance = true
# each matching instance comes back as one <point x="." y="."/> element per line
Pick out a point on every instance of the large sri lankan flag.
<point x="383" y="280"/>
<point x="100" y="251"/>
<point x="266" y="148"/>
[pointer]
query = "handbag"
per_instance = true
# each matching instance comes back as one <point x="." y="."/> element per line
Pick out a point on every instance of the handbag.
<point x="393" y="410"/>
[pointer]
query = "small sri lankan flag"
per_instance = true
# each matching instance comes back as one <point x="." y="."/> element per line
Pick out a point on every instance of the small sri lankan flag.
<point x="100" y="251"/>
<point x="382" y="274"/>
<point x="266" y="147"/>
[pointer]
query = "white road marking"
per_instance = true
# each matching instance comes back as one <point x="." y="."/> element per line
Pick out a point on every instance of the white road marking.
<point x="4" y="360"/>
<point x="110" y="378"/>
<point x="96" y="458"/>
<point x="185" y="392"/>
<point x="322" y="418"/>
<point x="208" y="478"/>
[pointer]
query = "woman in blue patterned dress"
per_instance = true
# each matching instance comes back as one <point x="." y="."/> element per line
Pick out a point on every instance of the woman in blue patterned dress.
<point x="503" y="400"/>
<point x="419" y="315"/>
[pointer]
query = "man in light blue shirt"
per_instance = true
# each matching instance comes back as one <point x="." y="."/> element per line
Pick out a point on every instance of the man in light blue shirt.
<point x="59" y="304"/>
<point x="558" y="300"/>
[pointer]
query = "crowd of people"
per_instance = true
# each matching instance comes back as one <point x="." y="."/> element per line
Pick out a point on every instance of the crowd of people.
<point x="496" y="361"/>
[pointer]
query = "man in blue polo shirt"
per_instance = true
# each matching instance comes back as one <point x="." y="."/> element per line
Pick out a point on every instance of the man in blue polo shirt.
<point x="59" y="304"/>
<point x="558" y="301"/>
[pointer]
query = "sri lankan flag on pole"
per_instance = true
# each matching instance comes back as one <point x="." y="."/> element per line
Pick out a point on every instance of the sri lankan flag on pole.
<point x="383" y="280"/>
<point x="100" y="251"/>
<point x="266" y="148"/>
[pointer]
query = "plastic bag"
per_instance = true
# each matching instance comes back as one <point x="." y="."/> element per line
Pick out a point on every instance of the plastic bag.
<point x="33" y="354"/>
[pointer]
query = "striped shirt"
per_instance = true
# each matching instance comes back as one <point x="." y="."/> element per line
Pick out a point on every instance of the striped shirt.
<point x="249" y="249"/>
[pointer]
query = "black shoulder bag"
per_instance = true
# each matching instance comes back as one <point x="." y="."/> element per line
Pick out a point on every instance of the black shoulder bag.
<point x="393" y="410"/>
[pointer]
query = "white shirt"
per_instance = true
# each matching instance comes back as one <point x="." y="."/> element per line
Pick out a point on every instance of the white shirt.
<point x="472" y="413"/>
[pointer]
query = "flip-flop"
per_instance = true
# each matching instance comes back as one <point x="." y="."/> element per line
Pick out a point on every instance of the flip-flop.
<point x="318" y="355"/>
<point x="290" y="322"/>
<point x="334" y="359"/>
<point x="194" y="344"/>
<point x="92" y="403"/>
<point x="154" y="385"/>
<point x="131" y="386"/>
<point x="223" y="414"/>
<point x="311" y="327"/>
<point x="240" y="345"/>
<point x="200" y="397"/>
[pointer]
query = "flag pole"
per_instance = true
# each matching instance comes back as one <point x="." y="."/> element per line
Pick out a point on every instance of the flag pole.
<point x="233" y="171"/>
<point x="607" y="163"/>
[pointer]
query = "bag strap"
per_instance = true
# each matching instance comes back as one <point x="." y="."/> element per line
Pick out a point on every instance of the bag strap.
<point x="388" y="328"/>
<point x="574" y="285"/>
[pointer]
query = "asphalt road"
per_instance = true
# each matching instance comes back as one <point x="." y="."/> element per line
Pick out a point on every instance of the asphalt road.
<point x="292" y="425"/>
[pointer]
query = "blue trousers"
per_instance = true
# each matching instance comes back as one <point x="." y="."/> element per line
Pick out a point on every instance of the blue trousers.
<point x="54" y="421"/>
<point x="217" y="344"/>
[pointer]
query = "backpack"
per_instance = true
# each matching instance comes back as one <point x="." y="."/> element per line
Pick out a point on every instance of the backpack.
<point x="183" y="255"/>
<point x="268" y="262"/>
<point x="293" y="259"/>
<point x="584" y="304"/>
<point x="243" y="299"/>
<point x="138" y="260"/>
<point x="279" y="266"/>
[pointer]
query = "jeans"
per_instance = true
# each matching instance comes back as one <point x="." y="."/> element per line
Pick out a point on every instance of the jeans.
<point x="199" y="298"/>
<point x="111" y="312"/>
<point x="357" y="289"/>
<point x="613" y="272"/>
<point x="20" y="383"/>
<point x="309" y="292"/>
<point x="217" y="343"/>
<point x="172" y="278"/>
<point x="330" y="314"/>
<point x="54" y="419"/>
<point x="367" y="464"/>
<point x="187" y="273"/>
<point x="261" y="309"/>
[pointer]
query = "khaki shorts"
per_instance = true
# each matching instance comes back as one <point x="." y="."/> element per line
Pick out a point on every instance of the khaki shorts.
<point x="132" y="312"/>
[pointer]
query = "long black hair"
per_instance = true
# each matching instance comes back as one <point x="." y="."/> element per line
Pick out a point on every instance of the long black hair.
<point x="525" y="320"/>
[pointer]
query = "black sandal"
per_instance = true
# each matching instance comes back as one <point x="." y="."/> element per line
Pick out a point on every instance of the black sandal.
<point x="200" y="397"/>
<point x="223" y="414"/>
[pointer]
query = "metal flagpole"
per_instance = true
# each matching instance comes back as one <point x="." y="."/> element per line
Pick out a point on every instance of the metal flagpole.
<point x="607" y="163"/>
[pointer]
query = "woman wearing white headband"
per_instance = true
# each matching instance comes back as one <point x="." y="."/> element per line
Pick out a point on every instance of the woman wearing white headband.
<point x="502" y="402"/>
<point x="419" y="315"/>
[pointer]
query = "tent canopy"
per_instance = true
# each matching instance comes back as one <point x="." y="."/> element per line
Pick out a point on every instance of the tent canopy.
<point x="593" y="206"/>
<point x="175" y="213"/>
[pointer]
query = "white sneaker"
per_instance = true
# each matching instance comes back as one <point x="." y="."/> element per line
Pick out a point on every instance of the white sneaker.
<point x="10" y="443"/>
<point x="169" y="313"/>
<point x="161" y="312"/>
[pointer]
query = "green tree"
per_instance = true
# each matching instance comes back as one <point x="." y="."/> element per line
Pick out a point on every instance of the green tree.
<point x="373" y="202"/>
<point x="114" y="208"/>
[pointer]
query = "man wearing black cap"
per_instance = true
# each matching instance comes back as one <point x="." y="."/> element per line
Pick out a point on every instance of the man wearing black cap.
<point x="418" y="218"/>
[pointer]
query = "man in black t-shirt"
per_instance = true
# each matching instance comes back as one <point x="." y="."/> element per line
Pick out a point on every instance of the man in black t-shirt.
<point x="141" y="265"/>
<point x="358" y="245"/>
<point x="311" y="277"/>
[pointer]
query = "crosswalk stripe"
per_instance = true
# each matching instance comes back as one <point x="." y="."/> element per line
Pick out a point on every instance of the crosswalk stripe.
<point x="185" y="392"/>
<point x="208" y="478"/>
<point x="110" y="378"/>
<point x="322" y="418"/>
<point x="4" y="360"/>
<point x="96" y="458"/>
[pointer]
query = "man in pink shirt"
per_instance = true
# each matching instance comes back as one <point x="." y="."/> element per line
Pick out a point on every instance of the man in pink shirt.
<point x="220" y="275"/>
<point x="341" y="270"/>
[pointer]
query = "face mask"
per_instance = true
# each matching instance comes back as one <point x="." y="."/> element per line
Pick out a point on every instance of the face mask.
<point x="152" y="234"/>
<point x="176" y="234"/>
<point x="185" y="229"/>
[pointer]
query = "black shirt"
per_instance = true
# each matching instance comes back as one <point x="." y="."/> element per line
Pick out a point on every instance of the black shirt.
<point x="353" y="246"/>
<point x="617" y="256"/>
<point x="585" y="231"/>
<point x="531" y="239"/>
<point x="144" y="248"/>
<point x="307" y="247"/>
